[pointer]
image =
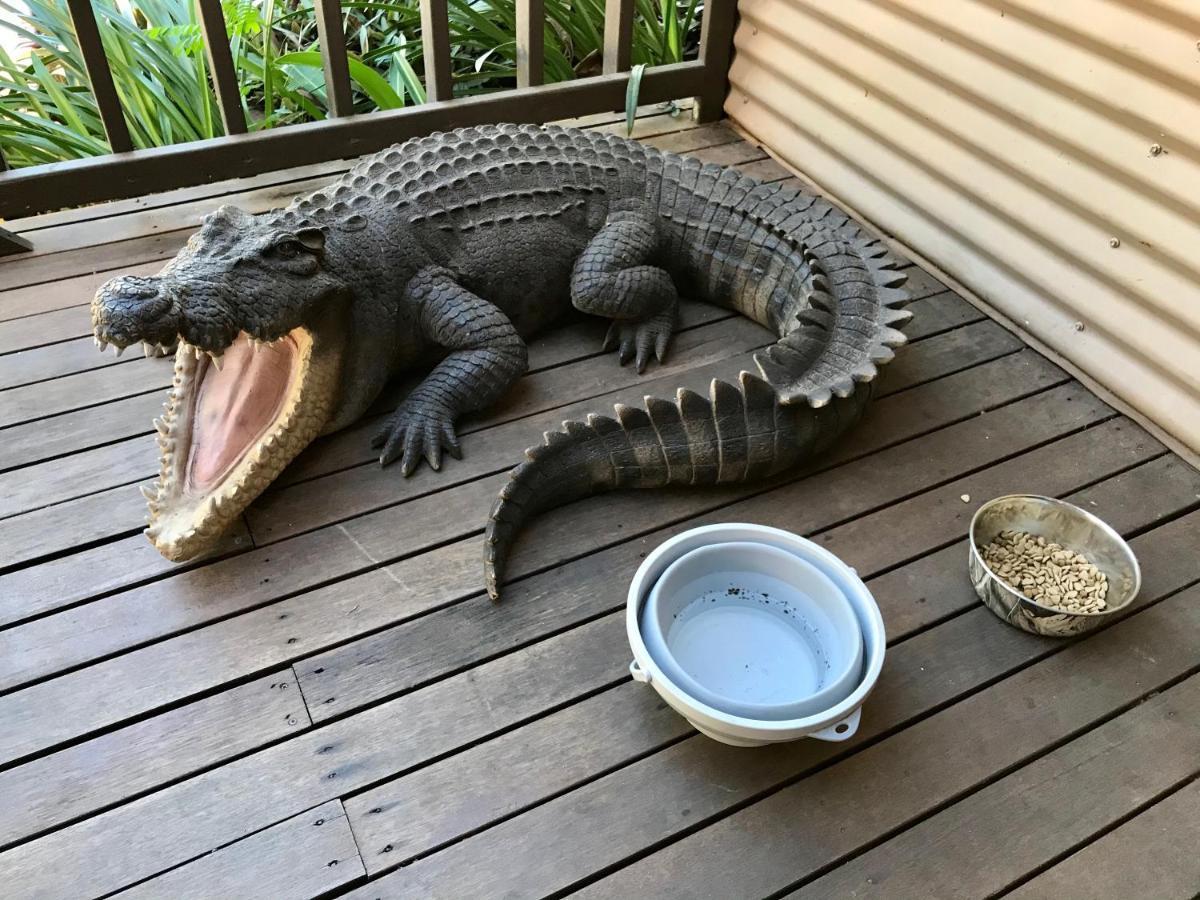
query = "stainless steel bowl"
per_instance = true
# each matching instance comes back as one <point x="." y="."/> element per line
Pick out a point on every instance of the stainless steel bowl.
<point x="1065" y="524"/>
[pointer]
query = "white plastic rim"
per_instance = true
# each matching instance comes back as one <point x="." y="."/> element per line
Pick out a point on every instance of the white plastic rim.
<point x="839" y="722"/>
<point x="795" y="654"/>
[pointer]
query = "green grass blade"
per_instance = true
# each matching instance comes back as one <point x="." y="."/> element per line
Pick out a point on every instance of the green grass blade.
<point x="631" y="95"/>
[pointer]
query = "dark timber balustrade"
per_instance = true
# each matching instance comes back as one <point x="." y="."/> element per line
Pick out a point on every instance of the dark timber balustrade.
<point x="129" y="173"/>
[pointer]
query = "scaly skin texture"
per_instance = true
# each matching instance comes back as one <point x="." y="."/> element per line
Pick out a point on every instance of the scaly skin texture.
<point x="452" y="249"/>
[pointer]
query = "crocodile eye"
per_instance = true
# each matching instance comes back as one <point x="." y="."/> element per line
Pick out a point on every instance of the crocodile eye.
<point x="289" y="249"/>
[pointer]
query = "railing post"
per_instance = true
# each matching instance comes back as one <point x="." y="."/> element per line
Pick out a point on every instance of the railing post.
<point x="435" y="40"/>
<point x="220" y="66"/>
<point x="716" y="48"/>
<point x="531" y="42"/>
<point x="94" y="60"/>
<point x="9" y="242"/>
<point x="618" y="35"/>
<point x="333" y="55"/>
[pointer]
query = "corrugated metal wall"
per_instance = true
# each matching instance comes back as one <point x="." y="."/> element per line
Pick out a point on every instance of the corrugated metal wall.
<point x="1046" y="155"/>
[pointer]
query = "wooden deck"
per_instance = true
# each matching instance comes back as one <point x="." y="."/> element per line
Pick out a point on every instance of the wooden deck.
<point x="333" y="708"/>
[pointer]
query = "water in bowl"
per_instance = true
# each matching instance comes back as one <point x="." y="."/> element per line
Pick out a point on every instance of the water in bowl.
<point x="750" y="645"/>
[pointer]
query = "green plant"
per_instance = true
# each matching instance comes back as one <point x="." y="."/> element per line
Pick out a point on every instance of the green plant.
<point x="156" y="53"/>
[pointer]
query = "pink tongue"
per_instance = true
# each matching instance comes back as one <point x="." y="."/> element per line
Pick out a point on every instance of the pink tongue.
<point x="236" y="405"/>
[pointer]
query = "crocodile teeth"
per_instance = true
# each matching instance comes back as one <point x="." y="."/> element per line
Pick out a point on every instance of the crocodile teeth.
<point x="216" y="360"/>
<point x="161" y="426"/>
<point x="102" y="344"/>
<point x="148" y="492"/>
<point x="119" y="351"/>
<point x="147" y="349"/>
<point x="199" y="353"/>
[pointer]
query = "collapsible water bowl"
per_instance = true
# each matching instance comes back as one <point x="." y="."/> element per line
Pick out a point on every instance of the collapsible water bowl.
<point x="753" y="630"/>
<point x="743" y="671"/>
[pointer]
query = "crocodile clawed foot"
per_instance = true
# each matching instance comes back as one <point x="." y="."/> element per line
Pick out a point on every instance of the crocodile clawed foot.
<point x="636" y="340"/>
<point x="417" y="431"/>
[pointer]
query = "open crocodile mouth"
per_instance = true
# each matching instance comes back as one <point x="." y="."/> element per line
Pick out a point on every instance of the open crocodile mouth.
<point x="229" y="429"/>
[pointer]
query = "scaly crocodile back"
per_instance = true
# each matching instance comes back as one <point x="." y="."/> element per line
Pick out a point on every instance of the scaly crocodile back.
<point x="792" y="262"/>
<point x="783" y="257"/>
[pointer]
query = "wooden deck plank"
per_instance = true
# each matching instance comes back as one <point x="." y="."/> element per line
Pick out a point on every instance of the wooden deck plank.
<point x="68" y="433"/>
<point x="416" y="812"/>
<point x="936" y="586"/>
<point x="922" y="284"/>
<point x="91" y="260"/>
<point x="274" y="783"/>
<point x="1134" y="515"/>
<point x="44" y="328"/>
<point x="68" y="580"/>
<point x="1038" y="812"/>
<point x="65" y="292"/>
<point x="438" y="804"/>
<point x="83" y="390"/>
<point x="198" y="595"/>
<point x="45" y="532"/>
<point x="62" y="787"/>
<point x="767" y="170"/>
<point x="59" y="480"/>
<point x="306" y="856"/>
<point x="939" y="312"/>
<point x="1151" y="855"/>
<point x="376" y="667"/>
<point x="94" y="517"/>
<point x="45" y="363"/>
<point x="767" y="846"/>
<point x="144" y="837"/>
<point x="122" y="687"/>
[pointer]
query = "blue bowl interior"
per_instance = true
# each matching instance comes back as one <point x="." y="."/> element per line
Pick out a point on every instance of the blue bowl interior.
<point x="754" y="631"/>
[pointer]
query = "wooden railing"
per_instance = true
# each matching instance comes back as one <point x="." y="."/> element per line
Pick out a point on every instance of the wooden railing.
<point x="128" y="173"/>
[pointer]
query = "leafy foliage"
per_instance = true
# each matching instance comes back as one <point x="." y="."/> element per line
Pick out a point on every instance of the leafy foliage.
<point x="156" y="52"/>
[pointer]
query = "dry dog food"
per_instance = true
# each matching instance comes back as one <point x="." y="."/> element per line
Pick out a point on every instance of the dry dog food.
<point x="1046" y="572"/>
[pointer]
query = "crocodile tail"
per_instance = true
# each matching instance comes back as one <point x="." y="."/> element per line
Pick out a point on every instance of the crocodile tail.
<point x="738" y="433"/>
<point x="848" y="328"/>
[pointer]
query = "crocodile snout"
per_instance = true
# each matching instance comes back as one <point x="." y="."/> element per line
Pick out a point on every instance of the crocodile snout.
<point x="135" y="308"/>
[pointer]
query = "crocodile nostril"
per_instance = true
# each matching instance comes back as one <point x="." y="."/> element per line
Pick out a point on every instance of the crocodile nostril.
<point x="136" y="297"/>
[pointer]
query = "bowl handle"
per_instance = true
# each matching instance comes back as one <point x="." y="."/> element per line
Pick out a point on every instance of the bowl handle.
<point x="840" y="731"/>
<point x="640" y="674"/>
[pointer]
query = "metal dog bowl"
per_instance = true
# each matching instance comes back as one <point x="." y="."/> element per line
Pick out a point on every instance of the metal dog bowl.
<point x="1064" y="524"/>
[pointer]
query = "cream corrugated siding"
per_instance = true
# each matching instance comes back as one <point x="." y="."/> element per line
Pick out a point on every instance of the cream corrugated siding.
<point x="1009" y="145"/>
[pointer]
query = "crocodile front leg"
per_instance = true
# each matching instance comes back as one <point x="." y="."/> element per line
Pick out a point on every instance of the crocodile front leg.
<point x="613" y="277"/>
<point x="486" y="356"/>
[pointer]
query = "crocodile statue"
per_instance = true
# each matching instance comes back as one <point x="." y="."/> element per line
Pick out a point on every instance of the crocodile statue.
<point x="448" y="251"/>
